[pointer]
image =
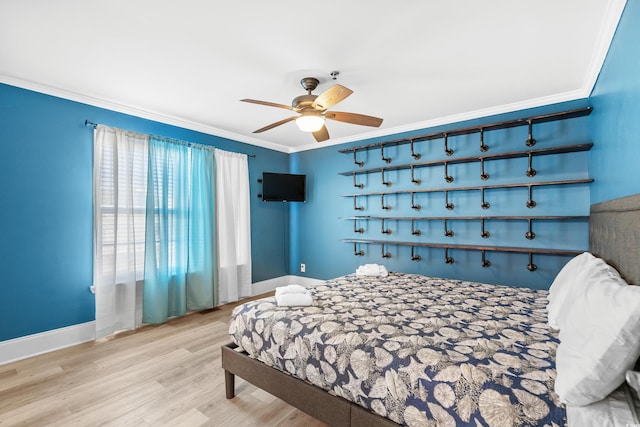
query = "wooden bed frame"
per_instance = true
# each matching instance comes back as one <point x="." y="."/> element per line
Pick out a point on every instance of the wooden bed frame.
<point x="332" y="410"/>
<point x="614" y="235"/>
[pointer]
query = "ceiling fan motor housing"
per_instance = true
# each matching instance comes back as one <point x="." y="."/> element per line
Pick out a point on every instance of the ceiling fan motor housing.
<point x="306" y="101"/>
<point x="303" y="101"/>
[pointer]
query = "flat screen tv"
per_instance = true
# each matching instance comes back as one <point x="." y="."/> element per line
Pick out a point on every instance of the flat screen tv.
<point x="283" y="187"/>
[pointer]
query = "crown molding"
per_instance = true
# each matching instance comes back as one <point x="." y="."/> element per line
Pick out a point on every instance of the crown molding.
<point x="605" y="38"/>
<point x="175" y="121"/>
<point x="138" y="112"/>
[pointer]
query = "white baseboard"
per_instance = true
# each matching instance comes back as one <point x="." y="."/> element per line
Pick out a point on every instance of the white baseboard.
<point x="271" y="284"/>
<point x="44" y="342"/>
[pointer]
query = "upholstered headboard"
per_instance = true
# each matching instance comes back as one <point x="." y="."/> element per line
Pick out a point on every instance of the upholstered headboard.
<point x="614" y="235"/>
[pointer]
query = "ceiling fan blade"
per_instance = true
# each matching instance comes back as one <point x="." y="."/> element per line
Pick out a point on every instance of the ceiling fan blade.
<point x="270" y="104"/>
<point x="272" y="125"/>
<point x="322" y="134"/>
<point x="356" y="119"/>
<point x="331" y="97"/>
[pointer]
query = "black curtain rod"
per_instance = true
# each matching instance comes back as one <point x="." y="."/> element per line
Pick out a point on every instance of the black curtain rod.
<point x="95" y="125"/>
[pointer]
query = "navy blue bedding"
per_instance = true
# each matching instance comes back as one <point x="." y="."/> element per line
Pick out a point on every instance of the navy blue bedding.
<point x="420" y="351"/>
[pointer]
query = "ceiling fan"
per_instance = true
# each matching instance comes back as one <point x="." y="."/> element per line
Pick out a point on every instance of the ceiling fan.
<point x="312" y="110"/>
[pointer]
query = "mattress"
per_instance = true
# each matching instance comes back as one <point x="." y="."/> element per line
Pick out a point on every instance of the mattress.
<point x="415" y="349"/>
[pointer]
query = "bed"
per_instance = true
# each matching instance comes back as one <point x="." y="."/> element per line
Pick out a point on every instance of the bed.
<point x="413" y="350"/>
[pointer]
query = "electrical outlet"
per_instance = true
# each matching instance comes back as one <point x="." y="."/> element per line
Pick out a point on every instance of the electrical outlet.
<point x="303" y="268"/>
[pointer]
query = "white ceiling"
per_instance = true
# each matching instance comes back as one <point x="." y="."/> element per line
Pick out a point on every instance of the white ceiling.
<point x="415" y="63"/>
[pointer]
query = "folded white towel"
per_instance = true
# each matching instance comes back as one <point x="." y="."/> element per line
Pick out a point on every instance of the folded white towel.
<point x="372" y="270"/>
<point x="369" y="269"/>
<point x="296" y="299"/>
<point x="291" y="289"/>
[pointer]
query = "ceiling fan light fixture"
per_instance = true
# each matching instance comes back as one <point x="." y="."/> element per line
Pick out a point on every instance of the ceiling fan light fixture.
<point x="313" y="110"/>
<point x="310" y="121"/>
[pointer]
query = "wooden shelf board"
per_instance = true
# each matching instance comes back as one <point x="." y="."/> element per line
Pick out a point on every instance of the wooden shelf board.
<point x="479" y="187"/>
<point x="488" y="157"/>
<point x="511" y="249"/>
<point x="474" y="129"/>
<point x="467" y="218"/>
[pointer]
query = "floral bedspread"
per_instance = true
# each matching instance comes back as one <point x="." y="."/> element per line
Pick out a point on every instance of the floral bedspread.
<point x="420" y="351"/>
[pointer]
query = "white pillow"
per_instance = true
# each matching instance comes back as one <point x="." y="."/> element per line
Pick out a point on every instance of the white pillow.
<point x="565" y="283"/>
<point x="599" y="336"/>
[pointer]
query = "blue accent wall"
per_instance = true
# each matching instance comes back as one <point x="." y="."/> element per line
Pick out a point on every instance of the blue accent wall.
<point x="46" y="219"/>
<point x="615" y="122"/>
<point x="319" y="223"/>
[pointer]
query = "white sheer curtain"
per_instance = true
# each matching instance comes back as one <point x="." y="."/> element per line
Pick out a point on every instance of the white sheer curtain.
<point x="120" y="185"/>
<point x="233" y="226"/>
<point x="218" y="266"/>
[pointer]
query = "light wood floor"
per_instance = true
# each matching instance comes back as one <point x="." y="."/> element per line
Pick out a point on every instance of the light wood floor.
<point x="159" y="375"/>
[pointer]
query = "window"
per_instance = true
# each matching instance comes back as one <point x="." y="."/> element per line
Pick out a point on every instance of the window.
<point x="121" y="206"/>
